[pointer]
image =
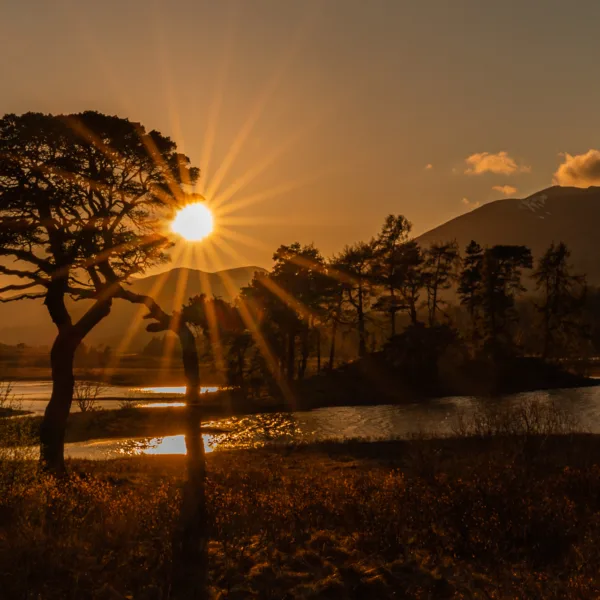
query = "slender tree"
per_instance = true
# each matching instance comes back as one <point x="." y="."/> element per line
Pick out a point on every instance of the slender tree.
<point x="412" y="279"/>
<point x="501" y="274"/>
<point x="354" y="265"/>
<point x="439" y="273"/>
<point x="563" y="297"/>
<point x="388" y="268"/>
<point x="333" y="304"/>
<point x="470" y="278"/>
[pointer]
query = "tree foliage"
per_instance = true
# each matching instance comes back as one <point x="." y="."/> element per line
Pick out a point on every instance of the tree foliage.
<point x="563" y="296"/>
<point x="82" y="197"/>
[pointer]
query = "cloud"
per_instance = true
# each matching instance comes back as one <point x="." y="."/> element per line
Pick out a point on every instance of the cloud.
<point x="470" y="204"/>
<point x="428" y="167"/>
<point x="581" y="170"/>
<point x="507" y="190"/>
<point x="500" y="163"/>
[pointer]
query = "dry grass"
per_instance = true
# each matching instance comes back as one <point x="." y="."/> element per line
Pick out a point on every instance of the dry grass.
<point x="498" y="517"/>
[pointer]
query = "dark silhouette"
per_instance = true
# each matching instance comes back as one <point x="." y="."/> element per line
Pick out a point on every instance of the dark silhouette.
<point x="190" y="538"/>
<point x="354" y="263"/>
<point x="440" y="272"/>
<point x="563" y="298"/>
<point x="80" y="194"/>
<point x="489" y="282"/>
<point x="389" y="268"/>
<point x="469" y="282"/>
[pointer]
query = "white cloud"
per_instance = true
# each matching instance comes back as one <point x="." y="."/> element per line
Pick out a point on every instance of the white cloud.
<point x="500" y="163"/>
<point x="581" y="170"/>
<point x="507" y="190"/>
<point x="470" y="204"/>
<point x="428" y="167"/>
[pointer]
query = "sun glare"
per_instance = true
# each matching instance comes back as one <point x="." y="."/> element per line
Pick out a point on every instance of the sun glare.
<point x="193" y="222"/>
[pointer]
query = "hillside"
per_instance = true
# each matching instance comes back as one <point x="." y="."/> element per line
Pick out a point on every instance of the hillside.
<point x="28" y="322"/>
<point x="571" y="215"/>
<point x="172" y="288"/>
<point x="556" y="214"/>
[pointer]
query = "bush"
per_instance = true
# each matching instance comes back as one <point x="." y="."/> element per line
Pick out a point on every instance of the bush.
<point x="87" y="392"/>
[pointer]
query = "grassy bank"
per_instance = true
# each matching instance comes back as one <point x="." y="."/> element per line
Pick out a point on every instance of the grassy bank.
<point x="124" y="422"/>
<point x="11" y="412"/>
<point x="493" y="517"/>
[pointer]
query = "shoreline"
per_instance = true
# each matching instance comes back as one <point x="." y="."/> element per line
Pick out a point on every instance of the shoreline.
<point x="147" y="421"/>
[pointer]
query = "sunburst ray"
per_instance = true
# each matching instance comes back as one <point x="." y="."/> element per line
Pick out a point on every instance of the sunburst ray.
<point x="257" y="336"/>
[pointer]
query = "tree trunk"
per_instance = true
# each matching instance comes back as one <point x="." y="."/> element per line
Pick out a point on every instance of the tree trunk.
<point x="332" y="347"/>
<point x="291" y="356"/>
<point x="62" y="356"/>
<point x="240" y="372"/>
<point x="318" y="350"/>
<point x="362" y="342"/>
<point x="190" y="543"/>
<point x="304" y="357"/>
<point x="433" y="307"/>
<point x="392" y="311"/>
<point x="54" y="423"/>
<point x="413" y="312"/>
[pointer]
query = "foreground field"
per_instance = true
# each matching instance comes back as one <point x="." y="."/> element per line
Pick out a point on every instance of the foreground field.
<point x="499" y="517"/>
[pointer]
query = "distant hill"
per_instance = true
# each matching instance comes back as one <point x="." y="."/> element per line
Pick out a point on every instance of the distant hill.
<point x="28" y="321"/>
<point x="570" y="215"/>
<point x="173" y="288"/>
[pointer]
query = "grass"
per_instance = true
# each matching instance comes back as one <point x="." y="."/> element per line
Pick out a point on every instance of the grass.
<point x="498" y="516"/>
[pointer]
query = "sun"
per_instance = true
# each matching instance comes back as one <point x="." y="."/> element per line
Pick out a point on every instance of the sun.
<point x="193" y="222"/>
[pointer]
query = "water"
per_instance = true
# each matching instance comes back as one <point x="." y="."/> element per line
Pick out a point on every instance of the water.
<point x="33" y="396"/>
<point x="436" y="417"/>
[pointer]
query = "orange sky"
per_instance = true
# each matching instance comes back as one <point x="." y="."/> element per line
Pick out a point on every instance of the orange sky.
<point x="311" y="120"/>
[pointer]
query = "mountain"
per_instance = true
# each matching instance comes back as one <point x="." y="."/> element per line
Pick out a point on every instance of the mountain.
<point x="173" y="288"/>
<point x="556" y="214"/>
<point x="570" y="215"/>
<point x="28" y="321"/>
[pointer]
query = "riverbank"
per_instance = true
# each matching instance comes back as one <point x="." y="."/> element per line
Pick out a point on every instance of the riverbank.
<point x="108" y="424"/>
<point x="11" y="412"/>
<point x="243" y="423"/>
<point x="494" y="517"/>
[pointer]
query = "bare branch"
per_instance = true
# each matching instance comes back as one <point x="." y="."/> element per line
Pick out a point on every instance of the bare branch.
<point x="24" y="275"/>
<point x="18" y="287"/>
<point x="164" y="321"/>
<point x="22" y="297"/>
<point x="25" y="256"/>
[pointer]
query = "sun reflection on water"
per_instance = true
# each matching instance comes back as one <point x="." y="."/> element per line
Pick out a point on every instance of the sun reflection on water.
<point x="176" y="389"/>
<point x="161" y="404"/>
<point x="237" y="432"/>
<point x="170" y="444"/>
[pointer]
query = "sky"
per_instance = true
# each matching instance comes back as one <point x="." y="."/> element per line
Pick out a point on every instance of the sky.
<point x="311" y="120"/>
